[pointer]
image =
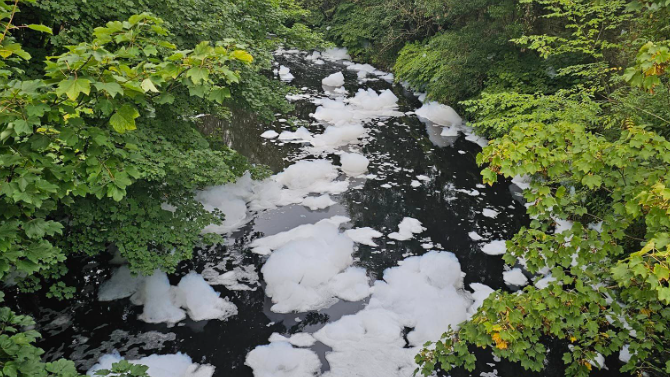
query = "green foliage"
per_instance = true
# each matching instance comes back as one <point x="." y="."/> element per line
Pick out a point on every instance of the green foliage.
<point x="258" y="26"/>
<point x="65" y="137"/>
<point x="124" y="368"/>
<point x="597" y="152"/>
<point x="455" y="65"/>
<point x="19" y="357"/>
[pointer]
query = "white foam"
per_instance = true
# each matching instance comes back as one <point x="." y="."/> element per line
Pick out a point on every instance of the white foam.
<point x="422" y="293"/>
<point x="515" y="277"/>
<point x="365" y="105"/>
<point x="488" y="212"/>
<point x="318" y="202"/>
<point x="241" y="278"/>
<point x="291" y="186"/>
<point x="265" y="245"/>
<point x="522" y="181"/>
<point x="351" y="285"/>
<point x="122" y="284"/>
<point x="174" y="365"/>
<point x="334" y="80"/>
<point x="334" y="137"/>
<point x="308" y="268"/>
<point x="544" y="282"/>
<point x="298" y="340"/>
<point x="354" y="164"/>
<point x="336" y="53"/>
<point x="363" y="236"/>
<point x="161" y="302"/>
<point x="624" y="354"/>
<point x="158" y="299"/>
<point x="312" y="177"/>
<point x="496" y="247"/>
<point x="406" y="229"/>
<point x="285" y="74"/>
<point x="475" y="236"/>
<point x="270" y="134"/>
<point x="439" y="114"/>
<point x="480" y="293"/>
<point x="367" y="344"/>
<point x="301" y="134"/>
<point x="280" y="359"/>
<point x="367" y="68"/>
<point x="201" y="301"/>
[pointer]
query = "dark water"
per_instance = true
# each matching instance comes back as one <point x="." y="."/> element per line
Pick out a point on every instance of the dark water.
<point x="402" y="148"/>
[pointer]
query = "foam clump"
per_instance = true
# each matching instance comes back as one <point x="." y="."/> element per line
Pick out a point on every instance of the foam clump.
<point x="365" y="105"/>
<point x="496" y="247"/>
<point x="475" y="236"/>
<point x="370" y="100"/>
<point x="515" y="277"/>
<point x="318" y="202"/>
<point x="301" y="134"/>
<point x="312" y="177"/>
<point x="363" y="236"/>
<point x="299" y="340"/>
<point x="270" y="134"/>
<point x="490" y="213"/>
<point x="201" y="301"/>
<point x="291" y="186"/>
<point x="231" y="199"/>
<point x="423" y="293"/>
<point x="122" y="284"/>
<point x="354" y="164"/>
<point x="285" y="74"/>
<point x="163" y="303"/>
<point x="335" y="53"/>
<point x="158" y="300"/>
<point x="334" y="80"/>
<point x="368" y="343"/>
<point x="280" y="359"/>
<point x="315" y="58"/>
<point x="361" y="68"/>
<point x="266" y="245"/>
<point x="406" y="229"/>
<point x="480" y="293"/>
<point x="174" y="365"/>
<point x="308" y="267"/>
<point x="350" y="285"/>
<point x="439" y="114"/>
<point x="334" y="137"/>
<point x="241" y="278"/>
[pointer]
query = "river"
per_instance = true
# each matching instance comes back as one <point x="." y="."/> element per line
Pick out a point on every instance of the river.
<point x="413" y="172"/>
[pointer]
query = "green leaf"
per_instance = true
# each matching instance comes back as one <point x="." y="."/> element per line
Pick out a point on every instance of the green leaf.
<point x="242" y="56"/>
<point x="40" y="28"/>
<point x="592" y="181"/>
<point x="197" y="74"/>
<point x="112" y="88"/>
<point x="124" y="119"/>
<point x="149" y="86"/>
<point x="219" y="95"/>
<point x="73" y="87"/>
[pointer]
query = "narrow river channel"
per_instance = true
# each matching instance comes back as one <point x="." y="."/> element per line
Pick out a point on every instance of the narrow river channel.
<point x="373" y="236"/>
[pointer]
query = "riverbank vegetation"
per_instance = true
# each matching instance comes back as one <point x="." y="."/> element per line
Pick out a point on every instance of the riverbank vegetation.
<point x="575" y="96"/>
<point x="100" y="150"/>
<point x="98" y="143"/>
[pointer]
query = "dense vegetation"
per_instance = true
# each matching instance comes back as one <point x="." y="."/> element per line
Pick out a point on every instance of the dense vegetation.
<point x="99" y="151"/>
<point x="576" y="96"/>
<point x="98" y="147"/>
